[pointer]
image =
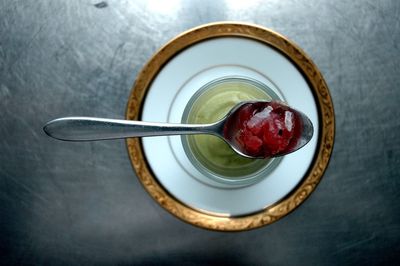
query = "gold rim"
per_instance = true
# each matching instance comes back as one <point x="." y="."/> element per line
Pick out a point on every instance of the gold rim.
<point x="325" y="110"/>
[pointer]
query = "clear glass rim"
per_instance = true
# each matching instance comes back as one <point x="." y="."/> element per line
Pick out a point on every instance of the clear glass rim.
<point x="239" y="181"/>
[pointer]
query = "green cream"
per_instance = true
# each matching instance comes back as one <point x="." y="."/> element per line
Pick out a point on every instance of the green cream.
<point x="213" y="104"/>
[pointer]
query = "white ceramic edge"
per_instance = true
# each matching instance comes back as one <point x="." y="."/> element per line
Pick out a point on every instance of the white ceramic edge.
<point x="205" y="55"/>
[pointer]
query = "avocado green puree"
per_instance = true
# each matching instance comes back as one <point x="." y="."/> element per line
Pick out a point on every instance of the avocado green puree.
<point x="212" y="105"/>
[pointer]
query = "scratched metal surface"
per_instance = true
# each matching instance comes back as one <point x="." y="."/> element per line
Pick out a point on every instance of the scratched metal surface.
<point x="68" y="203"/>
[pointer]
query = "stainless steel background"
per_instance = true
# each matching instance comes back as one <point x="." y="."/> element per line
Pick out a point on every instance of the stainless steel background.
<point x="72" y="204"/>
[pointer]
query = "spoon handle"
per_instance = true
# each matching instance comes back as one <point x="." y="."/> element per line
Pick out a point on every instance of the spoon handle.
<point x="91" y="128"/>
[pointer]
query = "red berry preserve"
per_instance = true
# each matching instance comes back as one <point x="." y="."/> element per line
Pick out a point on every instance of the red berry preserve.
<point x="264" y="129"/>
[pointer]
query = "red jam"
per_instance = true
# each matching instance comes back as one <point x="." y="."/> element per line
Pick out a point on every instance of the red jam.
<point x="264" y="129"/>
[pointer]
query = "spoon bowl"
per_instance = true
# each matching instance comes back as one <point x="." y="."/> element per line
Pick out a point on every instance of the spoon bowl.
<point x="266" y="130"/>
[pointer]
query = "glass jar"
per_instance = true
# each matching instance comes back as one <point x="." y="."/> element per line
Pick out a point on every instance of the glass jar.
<point x="211" y="155"/>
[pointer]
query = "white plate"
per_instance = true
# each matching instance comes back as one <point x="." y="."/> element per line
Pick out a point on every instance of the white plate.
<point x="168" y="95"/>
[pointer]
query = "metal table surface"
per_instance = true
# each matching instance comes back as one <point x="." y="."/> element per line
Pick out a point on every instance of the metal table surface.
<point x="81" y="203"/>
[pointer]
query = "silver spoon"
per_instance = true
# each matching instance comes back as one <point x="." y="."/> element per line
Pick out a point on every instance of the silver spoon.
<point x="91" y="128"/>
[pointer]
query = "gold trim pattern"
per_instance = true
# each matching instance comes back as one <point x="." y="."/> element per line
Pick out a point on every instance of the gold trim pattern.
<point x="324" y="105"/>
